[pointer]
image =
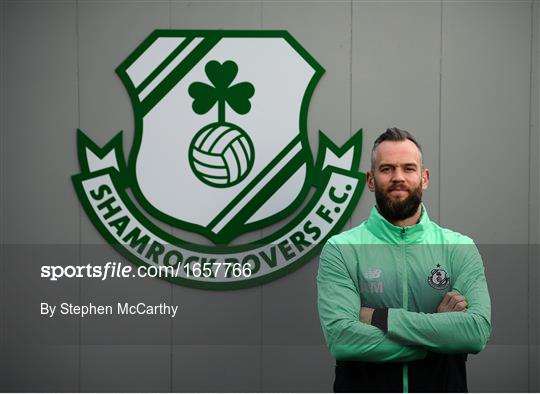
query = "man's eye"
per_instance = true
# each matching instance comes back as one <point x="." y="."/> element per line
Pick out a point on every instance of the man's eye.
<point x="410" y="169"/>
<point x="385" y="169"/>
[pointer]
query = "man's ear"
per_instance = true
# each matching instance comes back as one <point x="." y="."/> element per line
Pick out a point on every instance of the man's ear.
<point x="425" y="178"/>
<point x="370" y="181"/>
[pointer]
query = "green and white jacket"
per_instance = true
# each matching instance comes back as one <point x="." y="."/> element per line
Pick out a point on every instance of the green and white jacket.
<point x="407" y="270"/>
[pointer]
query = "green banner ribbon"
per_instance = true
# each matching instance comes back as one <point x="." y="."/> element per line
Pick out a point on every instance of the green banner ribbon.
<point x="102" y="188"/>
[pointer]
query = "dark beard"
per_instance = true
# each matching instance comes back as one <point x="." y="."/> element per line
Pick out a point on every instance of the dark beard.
<point x="401" y="209"/>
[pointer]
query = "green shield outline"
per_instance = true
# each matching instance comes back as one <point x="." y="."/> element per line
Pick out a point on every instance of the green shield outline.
<point x="140" y="109"/>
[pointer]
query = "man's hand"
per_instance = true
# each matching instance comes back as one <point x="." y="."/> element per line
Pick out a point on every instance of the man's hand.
<point x="452" y="302"/>
<point x="366" y="314"/>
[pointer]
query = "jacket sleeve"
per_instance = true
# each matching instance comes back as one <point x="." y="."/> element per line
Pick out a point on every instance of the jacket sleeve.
<point x="451" y="332"/>
<point x="339" y="305"/>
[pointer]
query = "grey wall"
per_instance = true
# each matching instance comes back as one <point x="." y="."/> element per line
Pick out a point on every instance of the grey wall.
<point x="462" y="75"/>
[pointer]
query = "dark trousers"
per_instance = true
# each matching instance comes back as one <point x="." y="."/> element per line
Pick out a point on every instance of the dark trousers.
<point x="436" y="373"/>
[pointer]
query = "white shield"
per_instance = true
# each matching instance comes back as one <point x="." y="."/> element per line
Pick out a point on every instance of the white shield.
<point x="158" y="76"/>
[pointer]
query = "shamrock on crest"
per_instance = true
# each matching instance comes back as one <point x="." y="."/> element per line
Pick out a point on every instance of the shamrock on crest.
<point x="221" y="75"/>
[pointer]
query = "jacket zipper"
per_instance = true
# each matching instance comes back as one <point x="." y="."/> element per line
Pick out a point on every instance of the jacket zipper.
<point x="405" y="303"/>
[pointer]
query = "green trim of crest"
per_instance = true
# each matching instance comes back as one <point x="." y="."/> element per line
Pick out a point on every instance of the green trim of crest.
<point x="211" y="38"/>
<point x="115" y="144"/>
<point x="326" y="144"/>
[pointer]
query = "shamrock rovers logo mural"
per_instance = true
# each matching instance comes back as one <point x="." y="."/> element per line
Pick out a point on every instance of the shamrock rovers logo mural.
<point x="220" y="149"/>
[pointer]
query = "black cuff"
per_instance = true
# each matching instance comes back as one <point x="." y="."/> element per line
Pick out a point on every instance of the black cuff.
<point x="379" y="319"/>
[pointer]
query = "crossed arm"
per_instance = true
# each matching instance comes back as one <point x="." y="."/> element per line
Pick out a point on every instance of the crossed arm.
<point x="462" y="324"/>
<point x="452" y="302"/>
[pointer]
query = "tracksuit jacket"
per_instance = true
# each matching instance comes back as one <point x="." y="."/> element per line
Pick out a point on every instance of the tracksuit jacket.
<point x="404" y="273"/>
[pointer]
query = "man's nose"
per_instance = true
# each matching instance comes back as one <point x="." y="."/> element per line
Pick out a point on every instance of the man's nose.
<point x="398" y="175"/>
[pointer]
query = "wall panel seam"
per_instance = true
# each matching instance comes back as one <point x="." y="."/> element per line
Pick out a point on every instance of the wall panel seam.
<point x="2" y="188"/>
<point x="530" y="354"/>
<point x="440" y="113"/>
<point x="351" y="88"/>
<point x="78" y="86"/>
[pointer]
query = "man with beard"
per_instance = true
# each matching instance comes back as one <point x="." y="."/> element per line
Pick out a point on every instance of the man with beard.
<point x="402" y="301"/>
